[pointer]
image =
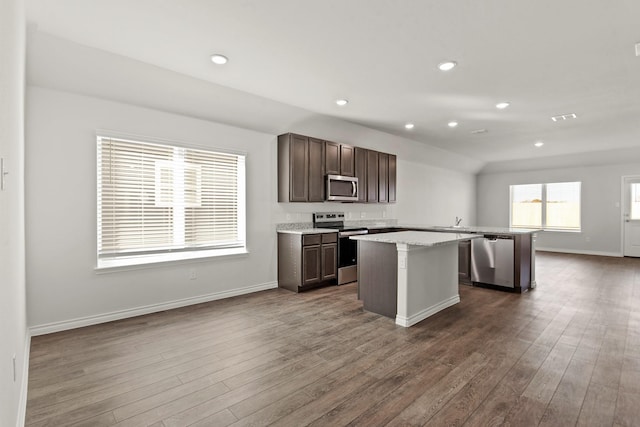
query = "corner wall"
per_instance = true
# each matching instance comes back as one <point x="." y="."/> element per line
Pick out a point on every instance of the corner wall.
<point x="601" y="200"/>
<point x="14" y="341"/>
<point x="64" y="290"/>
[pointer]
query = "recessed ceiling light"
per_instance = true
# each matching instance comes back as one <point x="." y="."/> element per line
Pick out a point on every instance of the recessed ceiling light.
<point x="219" y="59"/>
<point x="342" y="102"/>
<point x="446" y="66"/>
<point x="452" y="124"/>
<point x="564" y="117"/>
<point x="539" y="144"/>
<point x="502" y="105"/>
<point x="409" y="126"/>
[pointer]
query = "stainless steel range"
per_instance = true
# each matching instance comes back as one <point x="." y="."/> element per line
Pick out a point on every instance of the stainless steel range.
<point x="347" y="248"/>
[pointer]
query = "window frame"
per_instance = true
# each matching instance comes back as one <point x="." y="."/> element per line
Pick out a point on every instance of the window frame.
<point x="148" y="258"/>
<point x="543" y="206"/>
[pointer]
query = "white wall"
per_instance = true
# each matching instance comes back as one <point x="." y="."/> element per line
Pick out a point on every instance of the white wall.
<point x="601" y="201"/>
<point x="63" y="288"/>
<point x="61" y="214"/>
<point x="13" y="332"/>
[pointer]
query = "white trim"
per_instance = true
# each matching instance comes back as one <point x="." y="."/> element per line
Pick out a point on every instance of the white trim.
<point x="24" y="385"/>
<point x="138" y="311"/>
<point x="623" y="205"/>
<point x="429" y="311"/>
<point x="135" y="262"/>
<point x="580" y="252"/>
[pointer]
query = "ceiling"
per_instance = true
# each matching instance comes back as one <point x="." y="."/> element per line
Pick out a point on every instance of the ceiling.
<point x="544" y="57"/>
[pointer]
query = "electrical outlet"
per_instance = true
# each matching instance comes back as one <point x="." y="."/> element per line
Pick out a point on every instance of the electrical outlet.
<point x="288" y="217"/>
<point x="384" y="214"/>
<point x="192" y="274"/>
<point x="588" y="238"/>
<point x="14" y="368"/>
<point x="363" y="214"/>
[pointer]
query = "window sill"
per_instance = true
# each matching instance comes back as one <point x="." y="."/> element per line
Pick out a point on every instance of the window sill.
<point x="149" y="261"/>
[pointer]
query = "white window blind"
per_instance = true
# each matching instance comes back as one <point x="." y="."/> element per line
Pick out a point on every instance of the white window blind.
<point x="157" y="199"/>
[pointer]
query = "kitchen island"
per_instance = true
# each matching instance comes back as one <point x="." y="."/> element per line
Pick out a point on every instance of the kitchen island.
<point x="514" y="248"/>
<point x="409" y="275"/>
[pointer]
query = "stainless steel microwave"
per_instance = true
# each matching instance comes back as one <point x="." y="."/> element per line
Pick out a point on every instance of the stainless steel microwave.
<point x="342" y="188"/>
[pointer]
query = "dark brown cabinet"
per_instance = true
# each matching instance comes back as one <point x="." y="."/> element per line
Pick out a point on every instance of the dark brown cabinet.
<point x="329" y="257"/>
<point x="372" y="176"/>
<point x="304" y="162"/>
<point x="347" y="167"/>
<point x="332" y="158"/>
<point x="300" y="168"/>
<point x="316" y="170"/>
<point x="339" y="159"/>
<point x="392" y="179"/>
<point x="383" y="177"/>
<point x="360" y="155"/>
<point x="307" y="261"/>
<point x="311" y="262"/>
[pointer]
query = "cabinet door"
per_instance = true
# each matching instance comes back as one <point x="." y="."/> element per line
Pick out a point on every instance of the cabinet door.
<point x="332" y="158"/>
<point x="316" y="170"/>
<point x="298" y="168"/>
<point x="311" y="264"/>
<point x="329" y="261"/>
<point x="360" y="155"/>
<point x="392" y="178"/>
<point x="347" y="167"/>
<point x="372" y="176"/>
<point x="383" y="177"/>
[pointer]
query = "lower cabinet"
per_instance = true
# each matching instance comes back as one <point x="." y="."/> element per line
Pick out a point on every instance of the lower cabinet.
<point x="307" y="261"/>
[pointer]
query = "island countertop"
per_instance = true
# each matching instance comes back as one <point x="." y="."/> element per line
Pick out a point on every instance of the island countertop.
<point x="464" y="229"/>
<point x="416" y="238"/>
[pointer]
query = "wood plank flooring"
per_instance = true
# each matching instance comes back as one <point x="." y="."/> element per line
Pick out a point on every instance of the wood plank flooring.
<point x="566" y="353"/>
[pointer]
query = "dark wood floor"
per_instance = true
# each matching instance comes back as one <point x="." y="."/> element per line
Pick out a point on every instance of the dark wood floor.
<point x="567" y="353"/>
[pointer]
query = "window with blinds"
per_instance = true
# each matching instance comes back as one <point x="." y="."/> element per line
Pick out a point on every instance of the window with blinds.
<point x="160" y="202"/>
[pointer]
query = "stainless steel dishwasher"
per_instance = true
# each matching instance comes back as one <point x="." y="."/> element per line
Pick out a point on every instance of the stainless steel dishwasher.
<point x="492" y="260"/>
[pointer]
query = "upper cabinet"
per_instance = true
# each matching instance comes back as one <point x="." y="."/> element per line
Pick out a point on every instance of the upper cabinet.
<point x="339" y="159"/>
<point x="372" y="177"/>
<point x="360" y="155"/>
<point x="347" y="165"/>
<point x="332" y="158"/>
<point x="300" y="168"/>
<point x="316" y="170"/>
<point x="304" y="162"/>
<point x="392" y="179"/>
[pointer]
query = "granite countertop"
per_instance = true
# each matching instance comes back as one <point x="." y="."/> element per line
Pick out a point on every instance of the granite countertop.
<point x="417" y="238"/>
<point x="309" y="231"/>
<point x="475" y="229"/>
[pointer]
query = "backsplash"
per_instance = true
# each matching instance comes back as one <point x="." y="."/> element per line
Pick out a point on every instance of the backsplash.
<point x="359" y="223"/>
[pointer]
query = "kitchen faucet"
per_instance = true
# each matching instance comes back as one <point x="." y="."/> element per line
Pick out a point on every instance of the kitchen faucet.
<point x="458" y="221"/>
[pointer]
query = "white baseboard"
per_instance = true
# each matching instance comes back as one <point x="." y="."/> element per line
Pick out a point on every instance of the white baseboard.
<point x="138" y="311"/>
<point x="24" y="386"/>
<point x="429" y="311"/>
<point x="579" y="252"/>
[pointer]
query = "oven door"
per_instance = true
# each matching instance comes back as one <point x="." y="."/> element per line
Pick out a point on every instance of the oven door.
<point x="348" y="256"/>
